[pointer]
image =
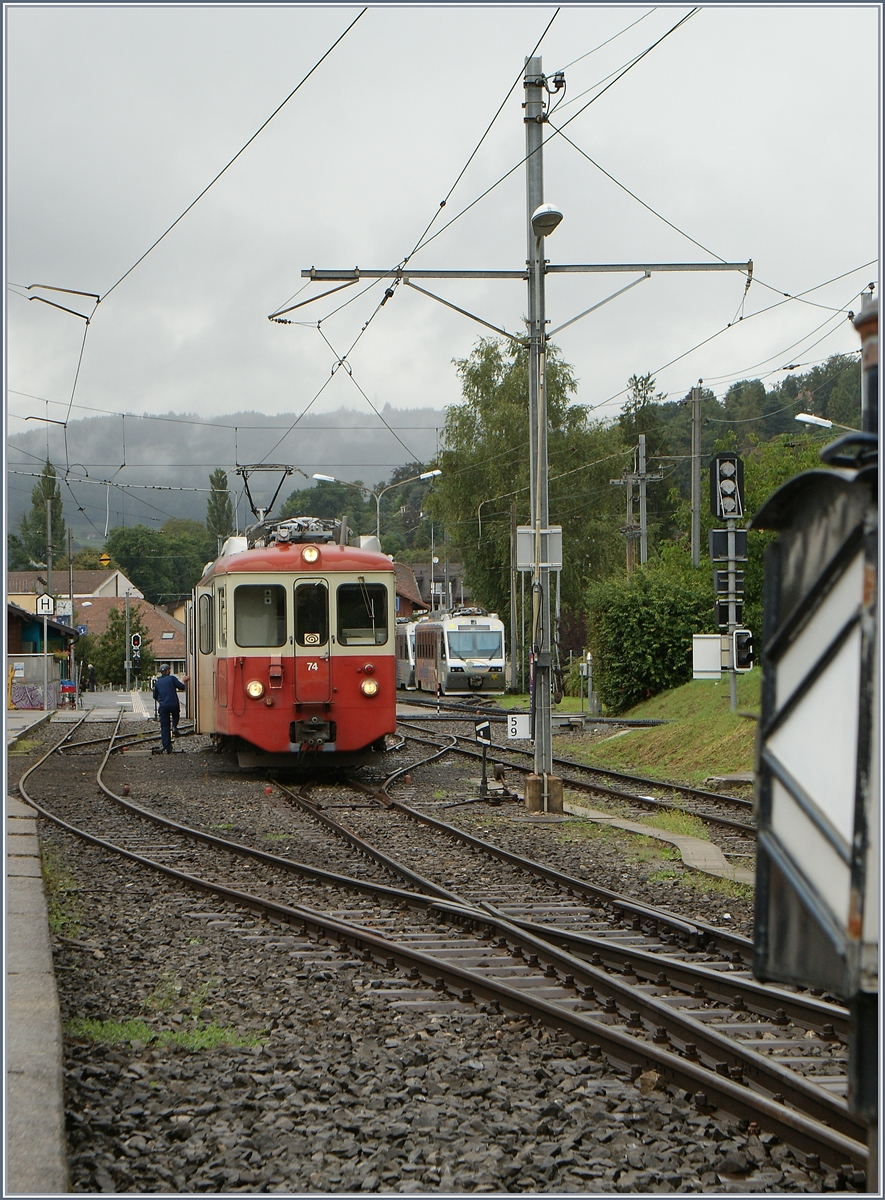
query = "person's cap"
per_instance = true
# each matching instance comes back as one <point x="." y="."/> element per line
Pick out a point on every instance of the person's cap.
<point x="165" y="667"/>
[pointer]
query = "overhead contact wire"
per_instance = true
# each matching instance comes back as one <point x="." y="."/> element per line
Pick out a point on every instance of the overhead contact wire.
<point x="279" y="107"/>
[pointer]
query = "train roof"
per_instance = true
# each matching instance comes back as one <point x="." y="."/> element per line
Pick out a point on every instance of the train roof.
<point x="287" y="556"/>
<point x="462" y="616"/>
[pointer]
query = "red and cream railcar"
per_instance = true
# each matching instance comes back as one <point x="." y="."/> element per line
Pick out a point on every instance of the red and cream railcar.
<point x="292" y="645"/>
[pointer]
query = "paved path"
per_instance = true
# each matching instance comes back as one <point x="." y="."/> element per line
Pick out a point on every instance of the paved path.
<point x="696" y="852"/>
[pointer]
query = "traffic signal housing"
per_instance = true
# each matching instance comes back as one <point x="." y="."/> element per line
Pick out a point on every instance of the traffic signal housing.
<point x="742" y="650"/>
<point x="727" y="486"/>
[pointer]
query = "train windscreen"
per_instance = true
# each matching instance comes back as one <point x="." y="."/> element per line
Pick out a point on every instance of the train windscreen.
<point x="476" y="643"/>
<point x="260" y="615"/>
<point x="362" y="614"/>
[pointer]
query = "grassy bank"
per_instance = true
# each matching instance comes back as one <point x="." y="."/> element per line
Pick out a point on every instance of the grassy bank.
<point x="702" y="736"/>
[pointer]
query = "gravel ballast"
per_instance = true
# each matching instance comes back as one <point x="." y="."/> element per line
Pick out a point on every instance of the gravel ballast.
<point x="335" y="1090"/>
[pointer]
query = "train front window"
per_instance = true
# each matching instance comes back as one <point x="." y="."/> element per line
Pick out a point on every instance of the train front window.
<point x="362" y="614"/>
<point x="311" y="614"/>
<point x="222" y="616"/>
<point x="207" y="625"/>
<point x="476" y="643"/>
<point x="260" y="614"/>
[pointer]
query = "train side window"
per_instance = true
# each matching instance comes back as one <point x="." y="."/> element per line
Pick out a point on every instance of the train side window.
<point x="311" y="614"/>
<point x="222" y="616"/>
<point x="207" y="625"/>
<point x="260" y="614"/>
<point x="362" y="614"/>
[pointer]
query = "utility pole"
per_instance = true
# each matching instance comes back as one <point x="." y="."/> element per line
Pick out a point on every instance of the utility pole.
<point x="543" y="790"/>
<point x="639" y="475"/>
<point x="514" y="661"/>
<point x="49" y="545"/>
<point x="72" y="668"/>
<point x="643" y="506"/>
<point x="696" y="475"/>
<point x="127" y="659"/>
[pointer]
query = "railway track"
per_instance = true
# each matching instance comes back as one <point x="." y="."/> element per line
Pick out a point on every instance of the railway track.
<point x="468" y="950"/>
<point x="708" y="806"/>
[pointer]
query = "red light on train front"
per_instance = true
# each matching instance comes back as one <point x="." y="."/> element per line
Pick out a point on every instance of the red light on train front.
<point x="369" y="669"/>
<point x="369" y="687"/>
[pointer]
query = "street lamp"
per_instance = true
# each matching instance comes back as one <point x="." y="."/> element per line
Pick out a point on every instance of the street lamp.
<point x="810" y="419"/>
<point x="377" y="495"/>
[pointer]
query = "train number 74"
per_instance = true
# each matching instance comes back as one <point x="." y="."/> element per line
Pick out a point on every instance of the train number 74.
<point x="313" y="666"/>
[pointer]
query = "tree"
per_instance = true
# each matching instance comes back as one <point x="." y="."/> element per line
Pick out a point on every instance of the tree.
<point x="33" y="523"/>
<point x="485" y="467"/>
<point x="17" y="557"/>
<point x="332" y="501"/>
<point x="111" y="650"/>
<point x="89" y="559"/>
<point x="219" y="509"/>
<point x="641" y="629"/>
<point x="166" y="563"/>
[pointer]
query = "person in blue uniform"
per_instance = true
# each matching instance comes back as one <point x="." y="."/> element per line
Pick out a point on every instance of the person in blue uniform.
<point x="166" y="689"/>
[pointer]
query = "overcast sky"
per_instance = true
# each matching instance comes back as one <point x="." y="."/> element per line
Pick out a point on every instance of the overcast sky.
<point x="753" y="129"/>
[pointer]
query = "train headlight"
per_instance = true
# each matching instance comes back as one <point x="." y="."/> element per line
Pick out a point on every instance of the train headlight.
<point x="255" y="689"/>
<point x="369" y="687"/>
<point x="310" y="554"/>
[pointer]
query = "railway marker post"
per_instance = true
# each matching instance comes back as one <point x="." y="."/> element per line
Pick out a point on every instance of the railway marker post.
<point x="483" y="731"/>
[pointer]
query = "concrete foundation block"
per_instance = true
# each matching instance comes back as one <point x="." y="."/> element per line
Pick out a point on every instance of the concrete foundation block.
<point x="534" y="794"/>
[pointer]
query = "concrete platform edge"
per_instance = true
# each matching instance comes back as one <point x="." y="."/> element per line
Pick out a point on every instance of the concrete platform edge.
<point x="36" y="1148"/>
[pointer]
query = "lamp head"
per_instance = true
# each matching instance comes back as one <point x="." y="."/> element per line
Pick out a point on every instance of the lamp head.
<point x="325" y="478"/>
<point x="545" y="218"/>
<point x="430" y="474"/>
<point x="809" y="419"/>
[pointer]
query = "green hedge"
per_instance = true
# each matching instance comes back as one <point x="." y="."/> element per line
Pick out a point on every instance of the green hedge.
<point x="641" y="628"/>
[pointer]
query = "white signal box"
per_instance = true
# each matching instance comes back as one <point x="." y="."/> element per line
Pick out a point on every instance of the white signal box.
<point x="710" y="655"/>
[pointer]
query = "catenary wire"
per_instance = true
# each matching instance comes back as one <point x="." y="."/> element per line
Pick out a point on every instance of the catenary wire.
<point x="279" y="107"/>
<point x="682" y="233"/>
<point x="608" y="41"/>
<point x="724" y="329"/>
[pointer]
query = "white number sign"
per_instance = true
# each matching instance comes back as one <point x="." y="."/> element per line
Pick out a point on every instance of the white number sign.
<point x="519" y="725"/>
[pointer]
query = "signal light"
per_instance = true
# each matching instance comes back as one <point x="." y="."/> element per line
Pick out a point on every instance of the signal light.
<point x="727" y="486"/>
<point x="742" y="650"/>
<point x="255" y="688"/>
<point x="369" y="687"/>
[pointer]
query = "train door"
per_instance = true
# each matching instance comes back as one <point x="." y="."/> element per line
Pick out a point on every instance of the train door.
<point x="313" y="677"/>
<point x="201" y="666"/>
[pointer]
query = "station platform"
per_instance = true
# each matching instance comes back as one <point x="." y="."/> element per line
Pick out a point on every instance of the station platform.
<point x="36" y="1150"/>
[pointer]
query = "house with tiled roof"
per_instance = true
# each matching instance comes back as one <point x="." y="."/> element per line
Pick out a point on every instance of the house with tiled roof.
<point x="167" y="635"/>
<point x="441" y="584"/>
<point x="408" y="597"/>
<point x="23" y="587"/>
